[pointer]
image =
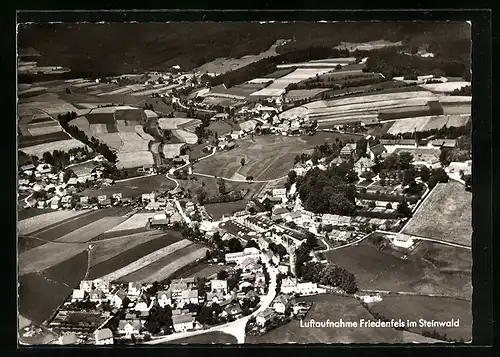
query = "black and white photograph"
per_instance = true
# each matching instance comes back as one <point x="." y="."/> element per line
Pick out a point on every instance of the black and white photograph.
<point x="260" y="182"/>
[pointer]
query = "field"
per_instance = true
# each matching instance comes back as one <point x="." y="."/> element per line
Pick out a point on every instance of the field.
<point x="61" y="145"/>
<point x="278" y="86"/>
<point x="68" y="225"/>
<point x="266" y="157"/>
<point x="110" y="248"/>
<point x="223" y="65"/>
<point x="172" y="150"/>
<point x="118" y="257"/>
<point x="90" y="231"/>
<point x="414" y="308"/>
<point x="206" y="339"/>
<point x="133" y="187"/>
<point x="298" y="94"/>
<point x="174" y="123"/>
<point x="45" y="219"/>
<point x="147" y="260"/>
<point x="200" y="270"/>
<point x="128" y="160"/>
<point x="424" y="123"/>
<point x="445" y="215"/>
<point x="138" y="220"/>
<point x="166" y="264"/>
<point x="431" y="269"/>
<point x="41" y="293"/>
<point x="217" y="210"/>
<point x="221" y="127"/>
<point x="185" y="136"/>
<point x="334" y="308"/>
<point x="446" y="87"/>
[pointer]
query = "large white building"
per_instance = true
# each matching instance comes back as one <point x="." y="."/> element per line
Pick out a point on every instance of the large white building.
<point x="240" y="256"/>
<point x="291" y="286"/>
<point x="402" y="241"/>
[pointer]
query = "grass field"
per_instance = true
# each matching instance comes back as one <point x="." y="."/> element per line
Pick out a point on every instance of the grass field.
<point x="62" y="145"/>
<point x="134" y="187"/>
<point x="117" y="257"/>
<point x="138" y="220"/>
<point x="147" y="261"/>
<point x="105" y="250"/>
<point x="44" y="219"/>
<point x="333" y="308"/>
<point x="445" y="215"/>
<point x="414" y="308"/>
<point x="167" y="264"/>
<point x="217" y="210"/>
<point x="68" y="225"/>
<point x="200" y="270"/>
<point x="41" y="293"/>
<point x="91" y="230"/>
<point x="384" y="270"/>
<point x="209" y="338"/>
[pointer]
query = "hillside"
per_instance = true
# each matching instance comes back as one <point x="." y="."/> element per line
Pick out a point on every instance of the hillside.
<point x="115" y="48"/>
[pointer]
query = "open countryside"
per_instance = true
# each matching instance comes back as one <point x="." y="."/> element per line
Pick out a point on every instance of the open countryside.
<point x="274" y="177"/>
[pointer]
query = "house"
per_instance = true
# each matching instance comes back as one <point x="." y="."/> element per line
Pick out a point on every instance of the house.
<point x="337" y="161"/>
<point x="134" y="289"/>
<point x="189" y="282"/>
<point x="28" y="167"/>
<point x="295" y="124"/>
<point x="375" y="150"/>
<point x="263" y="243"/>
<point x="103" y="337"/>
<point x="68" y="339"/>
<point x="230" y="145"/>
<point x="148" y="197"/>
<point x="234" y="310"/>
<point x="402" y="240"/>
<point x="251" y="295"/>
<point x="44" y="168"/>
<point x="259" y="277"/>
<point x="279" y="193"/>
<point x="84" y="200"/>
<point x="142" y="304"/>
<point x="219" y="116"/>
<point x="363" y="165"/>
<point x="182" y="323"/>
<point x="164" y="297"/>
<point x="218" y="286"/>
<point x="55" y="203"/>
<point x="264" y="317"/>
<point x="129" y="328"/>
<point x="86" y="285"/>
<point x="236" y="134"/>
<point x="216" y="298"/>
<point x="188" y="297"/>
<point x="291" y="286"/>
<point x="335" y="220"/>
<point x="78" y="295"/>
<point x="283" y="269"/>
<point x="96" y="295"/>
<point x="117" y="298"/>
<point x="273" y="258"/>
<point x="281" y="303"/>
<point x="72" y="181"/>
<point x="348" y="149"/>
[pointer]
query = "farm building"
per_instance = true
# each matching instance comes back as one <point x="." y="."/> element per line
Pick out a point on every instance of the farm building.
<point x="402" y="241"/>
<point x="348" y="149"/>
<point x="103" y="337"/>
<point x="376" y="150"/>
<point x="363" y="165"/>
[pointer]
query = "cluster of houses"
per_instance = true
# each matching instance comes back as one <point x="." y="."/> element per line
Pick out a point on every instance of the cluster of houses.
<point x="49" y="190"/>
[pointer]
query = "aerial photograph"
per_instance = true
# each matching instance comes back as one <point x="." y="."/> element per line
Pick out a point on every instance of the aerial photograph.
<point x="244" y="183"/>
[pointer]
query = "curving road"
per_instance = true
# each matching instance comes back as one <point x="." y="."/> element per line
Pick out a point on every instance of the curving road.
<point x="235" y="180"/>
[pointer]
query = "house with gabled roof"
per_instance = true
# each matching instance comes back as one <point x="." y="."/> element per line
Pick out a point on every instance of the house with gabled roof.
<point x="96" y="295"/>
<point x="281" y="303"/>
<point x="134" y="289"/>
<point x="364" y="164"/>
<point x="183" y="323"/>
<point x="164" y="297"/>
<point x="117" y="298"/>
<point x="103" y="337"/>
<point x="129" y="328"/>
<point x="264" y="317"/>
<point x="78" y="295"/>
<point x="348" y="149"/>
<point x="86" y="285"/>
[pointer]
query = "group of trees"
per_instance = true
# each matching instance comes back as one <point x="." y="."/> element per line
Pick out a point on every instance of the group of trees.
<point x="391" y="63"/>
<point x="463" y="91"/>
<point x="78" y="134"/>
<point x="159" y="319"/>
<point x="346" y="82"/>
<point x="327" y="191"/>
<point x="330" y="275"/>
